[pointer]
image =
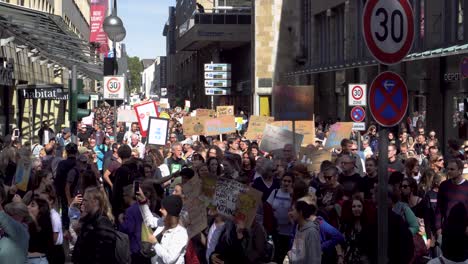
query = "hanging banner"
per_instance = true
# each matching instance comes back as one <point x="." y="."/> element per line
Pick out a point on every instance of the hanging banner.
<point x="97" y="34"/>
<point x="293" y="102"/>
<point x="225" y="110"/>
<point x="338" y="132"/>
<point x="143" y="113"/>
<point x="256" y="126"/>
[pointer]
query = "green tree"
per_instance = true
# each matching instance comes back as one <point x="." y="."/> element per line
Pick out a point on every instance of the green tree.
<point x="135" y="67"/>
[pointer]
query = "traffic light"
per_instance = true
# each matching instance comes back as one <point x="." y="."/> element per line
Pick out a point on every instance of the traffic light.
<point x="78" y="102"/>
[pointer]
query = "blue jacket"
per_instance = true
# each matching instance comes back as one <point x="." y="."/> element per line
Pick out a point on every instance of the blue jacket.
<point x="132" y="227"/>
<point x="329" y="235"/>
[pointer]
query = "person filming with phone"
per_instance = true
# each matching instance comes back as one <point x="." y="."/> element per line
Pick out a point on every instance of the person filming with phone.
<point x="169" y="238"/>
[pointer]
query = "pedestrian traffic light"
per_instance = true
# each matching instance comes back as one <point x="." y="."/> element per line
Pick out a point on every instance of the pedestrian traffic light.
<point x="78" y="102"/>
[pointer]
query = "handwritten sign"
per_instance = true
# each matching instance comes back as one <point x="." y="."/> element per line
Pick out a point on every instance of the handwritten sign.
<point x="236" y="199"/>
<point x="164" y="103"/>
<point x="220" y="125"/>
<point x="338" y="132"/>
<point x="225" y="110"/>
<point x="193" y="125"/>
<point x="306" y="128"/>
<point x="144" y="112"/>
<point x="256" y="126"/>
<point x="196" y="220"/>
<point x="126" y="115"/>
<point x="158" y="129"/>
<point x="275" y="138"/>
<point x="313" y="158"/>
<point x="205" y="113"/>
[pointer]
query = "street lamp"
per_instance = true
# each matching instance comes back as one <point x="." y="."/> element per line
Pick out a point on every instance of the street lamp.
<point x="115" y="30"/>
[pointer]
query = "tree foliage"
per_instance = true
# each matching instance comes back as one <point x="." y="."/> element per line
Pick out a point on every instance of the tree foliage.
<point x="135" y="67"/>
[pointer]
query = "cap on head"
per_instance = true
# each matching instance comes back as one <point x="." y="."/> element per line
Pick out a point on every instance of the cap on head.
<point x="172" y="204"/>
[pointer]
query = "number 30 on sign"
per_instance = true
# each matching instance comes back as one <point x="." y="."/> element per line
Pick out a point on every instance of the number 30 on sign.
<point x="388" y="27"/>
<point x="357" y="94"/>
<point x="114" y="87"/>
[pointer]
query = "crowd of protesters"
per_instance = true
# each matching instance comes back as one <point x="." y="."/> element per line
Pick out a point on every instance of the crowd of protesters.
<point x="105" y="197"/>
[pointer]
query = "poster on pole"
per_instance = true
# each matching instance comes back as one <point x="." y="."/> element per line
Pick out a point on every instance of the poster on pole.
<point x="237" y="200"/>
<point x="338" y="132"/>
<point x="98" y="12"/>
<point x="313" y="158"/>
<point x="256" y="126"/>
<point x="224" y="110"/>
<point x="275" y="138"/>
<point x="193" y="126"/>
<point x="293" y="102"/>
<point x="303" y="127"/>
<point x="220" y="125"/>
<point x="144" y="112"/>
<point x="158" y="128"/>
<point x="196" y="218"/>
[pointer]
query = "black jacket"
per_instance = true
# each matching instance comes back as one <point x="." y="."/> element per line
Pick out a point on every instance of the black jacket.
<point x="95" y="243"/>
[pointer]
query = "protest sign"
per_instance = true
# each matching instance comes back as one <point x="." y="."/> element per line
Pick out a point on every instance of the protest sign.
<point x="164" y="103"/>
<point x="225" y="110"/>
<point x="313" y="158"/>
<point x="293" y="102"/>
<point x="205" y="112"/>
<point x="303" y="127"/>
<point x="338" y="132"/>
<point x="196" y="219"/>
<point x="144" y="112"/>
<point x="194" y="125"/>
<point x="126" y="115"/>
<point x="158" y="129"/>
<point x="256" y="126"/>
<point x="275" y="138"/>
<point x="208" y="189"/>
<point x="238" y="200"/>
<point x="220" y="125"/>
<point x="22" y="175"/>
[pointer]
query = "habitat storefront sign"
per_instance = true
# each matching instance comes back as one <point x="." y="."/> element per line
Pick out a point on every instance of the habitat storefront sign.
<point x="43" y="92"/>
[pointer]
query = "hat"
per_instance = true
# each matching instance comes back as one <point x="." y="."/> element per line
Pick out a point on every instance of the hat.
<point x="66" y="130"/>
<point x="172" y="204"/>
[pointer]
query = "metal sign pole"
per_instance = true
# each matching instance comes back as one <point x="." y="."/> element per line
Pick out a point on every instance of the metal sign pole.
<point x="294" y="136"/>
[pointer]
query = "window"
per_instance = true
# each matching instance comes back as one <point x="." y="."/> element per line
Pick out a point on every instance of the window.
<point x="460" y="28"/>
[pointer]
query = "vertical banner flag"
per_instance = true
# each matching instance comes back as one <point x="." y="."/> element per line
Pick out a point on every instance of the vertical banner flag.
<point x="97" y="35"/>
<point x="143" y="113"/>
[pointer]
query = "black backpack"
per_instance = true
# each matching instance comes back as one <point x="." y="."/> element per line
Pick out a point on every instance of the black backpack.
<point x="121" y="244"/>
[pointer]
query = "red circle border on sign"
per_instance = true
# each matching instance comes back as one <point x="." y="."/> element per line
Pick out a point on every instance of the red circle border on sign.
<point x="363" y="117"/>
<point x="108" y="81"/>
<point x="382" y="57"/>
<point x="373" y="108"/>
<point x="362" y="92"/>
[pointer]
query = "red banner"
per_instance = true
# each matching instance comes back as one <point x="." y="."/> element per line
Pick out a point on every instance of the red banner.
<point x="98" y="14"/>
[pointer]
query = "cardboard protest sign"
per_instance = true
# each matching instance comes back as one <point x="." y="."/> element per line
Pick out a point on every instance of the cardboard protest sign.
<point x="275" y="138"/>
<point x="256" y="126"/>
<point x="164" y="103"/>
<point x="196" y="218"/>
<point x="205" y="112"/>
<point x="239" y="122"/>
<point x="22" y="175"/>
<point x="238" y="200"/>
<point x="220" y="125"/>
<point x="225" y="110"/>
<point x="338" y="132"/>
<point x="313" y="158"/>
<point x="208" y="189"/>
<point x="126" y="115"/>
<point x="303" y="127"/>
<point x="194" y="125"/>
<point x="144" y="112"/>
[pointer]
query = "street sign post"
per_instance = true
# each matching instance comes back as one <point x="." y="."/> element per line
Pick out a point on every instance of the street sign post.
<point x="358" y="114"/>
<point x="388" y="27"/>
<point x="388" y="99"/>
<point x="217" y="80"/>
<point x="357" y="94"/>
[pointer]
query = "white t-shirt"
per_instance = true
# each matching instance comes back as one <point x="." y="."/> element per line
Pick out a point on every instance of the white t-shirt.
<point x="281" y="201"/>
<point x="57" y="226"/>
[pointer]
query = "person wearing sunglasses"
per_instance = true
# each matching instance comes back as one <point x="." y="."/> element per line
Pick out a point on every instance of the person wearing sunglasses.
<point x="330" y="194"/>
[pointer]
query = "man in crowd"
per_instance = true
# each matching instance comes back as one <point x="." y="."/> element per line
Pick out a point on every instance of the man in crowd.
<point x="45" y="133"/>
<point x="133" y="131"/>
<point x="136" y="144"/>
<point x="394" y="164"/>
<point x="346" y="147"/>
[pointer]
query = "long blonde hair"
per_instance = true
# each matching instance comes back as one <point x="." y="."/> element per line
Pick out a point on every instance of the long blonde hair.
<point x="104" y="204"/>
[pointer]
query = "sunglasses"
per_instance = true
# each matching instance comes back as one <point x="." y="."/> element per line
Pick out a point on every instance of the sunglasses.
<point x="404" y="186"/>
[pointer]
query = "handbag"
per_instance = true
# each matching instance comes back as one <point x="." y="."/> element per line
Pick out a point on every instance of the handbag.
<point x="147" y="249"/>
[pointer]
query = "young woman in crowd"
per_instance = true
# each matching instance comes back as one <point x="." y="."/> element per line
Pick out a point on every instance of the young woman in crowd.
<point x="436" y="162"/>
<point x="57" y="254"/>
<point x="40" y="181"/>
<point x="214" y="167"/>
<point x="248" y="166"/>
<point x="169" y="238"/>
<point x="41" y="234"/>
<point x="412" y="169"/>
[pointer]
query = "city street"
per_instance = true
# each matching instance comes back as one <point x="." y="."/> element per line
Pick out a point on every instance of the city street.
<point x="233" y="131"/>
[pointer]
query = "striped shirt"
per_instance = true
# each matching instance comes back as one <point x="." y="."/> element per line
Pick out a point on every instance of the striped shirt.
<point x="448" y="196"/>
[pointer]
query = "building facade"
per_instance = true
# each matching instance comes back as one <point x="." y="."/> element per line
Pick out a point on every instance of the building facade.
<point x="335" y="55"/>
<point x="42" y="43"/>
<point x="159" y="86"/>
<point x="147" y="76"/>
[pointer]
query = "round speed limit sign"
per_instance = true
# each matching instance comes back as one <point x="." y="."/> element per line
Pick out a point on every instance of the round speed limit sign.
<point x="388" y="27"/>
<point x="114" y="87"/>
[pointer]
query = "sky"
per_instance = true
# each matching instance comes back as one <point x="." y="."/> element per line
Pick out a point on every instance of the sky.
<point x="144" y="22"/>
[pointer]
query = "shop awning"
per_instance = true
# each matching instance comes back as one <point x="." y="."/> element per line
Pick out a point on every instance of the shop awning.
<point x="50" y="38"/>
<point x="429" y="54"/>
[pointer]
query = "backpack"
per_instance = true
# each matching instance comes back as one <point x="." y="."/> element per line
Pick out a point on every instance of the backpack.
<point x="121" y="245"/>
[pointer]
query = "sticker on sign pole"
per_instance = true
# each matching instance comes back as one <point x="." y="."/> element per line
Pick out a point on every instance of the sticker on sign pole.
<point x="357" y="94"/>
<point x="388" y="99"/>
<point x="388" y="28"/>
